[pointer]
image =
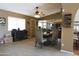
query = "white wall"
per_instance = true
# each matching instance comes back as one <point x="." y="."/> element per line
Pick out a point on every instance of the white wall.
<point x="77" y="16"/>
<point x="3" y="29"/>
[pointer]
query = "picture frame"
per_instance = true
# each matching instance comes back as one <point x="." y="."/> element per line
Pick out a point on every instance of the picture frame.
<point x="67" y="20"/>
<point x="2" y="20"/>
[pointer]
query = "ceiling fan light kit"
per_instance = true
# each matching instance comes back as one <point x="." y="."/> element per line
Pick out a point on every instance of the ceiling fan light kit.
<point x="38" y="13"/>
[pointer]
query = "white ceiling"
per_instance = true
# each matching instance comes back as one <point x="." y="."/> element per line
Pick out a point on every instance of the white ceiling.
<point x="29" y="8"/>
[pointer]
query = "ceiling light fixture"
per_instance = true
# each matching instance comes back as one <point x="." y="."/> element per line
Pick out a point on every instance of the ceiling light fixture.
<point x="37" y="14"/>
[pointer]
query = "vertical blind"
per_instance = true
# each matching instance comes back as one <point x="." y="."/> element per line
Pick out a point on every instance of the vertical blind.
<point x="15" y="23"/>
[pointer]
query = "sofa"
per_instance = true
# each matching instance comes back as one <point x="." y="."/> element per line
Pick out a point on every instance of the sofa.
<point x="19" y="34"/>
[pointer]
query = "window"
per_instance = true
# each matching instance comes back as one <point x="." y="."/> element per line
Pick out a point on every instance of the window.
<point x="42" y="24"/>
<point x="15" y="23"/>
<point x="76" y="26"/>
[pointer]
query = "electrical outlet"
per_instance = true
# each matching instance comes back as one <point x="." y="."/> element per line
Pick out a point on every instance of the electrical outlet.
<point x="62" y="44"/>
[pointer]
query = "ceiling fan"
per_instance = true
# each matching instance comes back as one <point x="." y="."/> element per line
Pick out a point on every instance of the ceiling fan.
<point x="39" y="13"/>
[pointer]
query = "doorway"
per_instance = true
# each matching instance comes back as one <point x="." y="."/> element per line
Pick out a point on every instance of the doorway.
<point x="52" y="32"/>
<point x="76" y="34"/>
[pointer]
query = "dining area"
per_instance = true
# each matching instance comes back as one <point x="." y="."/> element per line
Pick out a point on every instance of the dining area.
<point x="48" y="36"/>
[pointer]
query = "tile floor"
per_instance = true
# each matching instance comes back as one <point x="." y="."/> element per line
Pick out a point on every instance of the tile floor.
<point x="26" y="48"/>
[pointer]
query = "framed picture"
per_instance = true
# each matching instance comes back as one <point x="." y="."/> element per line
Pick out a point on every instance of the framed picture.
<point x="2" y="20"/>
<point x="67" y="20"/>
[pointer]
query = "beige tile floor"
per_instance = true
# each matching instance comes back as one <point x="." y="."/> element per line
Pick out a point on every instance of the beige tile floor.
<point x="26" y="48"/>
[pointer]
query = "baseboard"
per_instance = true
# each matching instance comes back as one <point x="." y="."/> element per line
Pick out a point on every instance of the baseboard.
<point x="67" y="52"/>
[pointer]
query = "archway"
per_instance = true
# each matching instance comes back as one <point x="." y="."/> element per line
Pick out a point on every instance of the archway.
<point x="76" y="33"/>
